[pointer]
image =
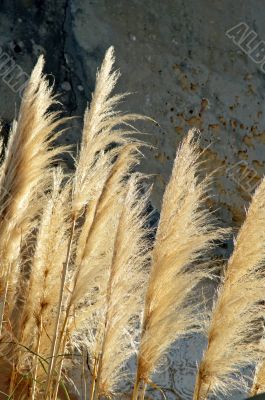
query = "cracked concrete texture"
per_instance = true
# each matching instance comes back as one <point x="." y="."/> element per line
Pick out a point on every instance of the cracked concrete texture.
<point x="183" y="70"/>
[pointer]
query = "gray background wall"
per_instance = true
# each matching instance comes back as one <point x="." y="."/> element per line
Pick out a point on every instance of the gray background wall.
<point x="172" y="54"/>
<point x="184" y="72"/>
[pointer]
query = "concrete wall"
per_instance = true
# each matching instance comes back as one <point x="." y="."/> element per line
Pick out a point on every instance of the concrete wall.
<point x="172" y="55"/>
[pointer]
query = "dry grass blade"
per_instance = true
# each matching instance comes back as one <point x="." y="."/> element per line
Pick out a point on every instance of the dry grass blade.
<point x="235" y="326"/>
<point x="184" y="233"/>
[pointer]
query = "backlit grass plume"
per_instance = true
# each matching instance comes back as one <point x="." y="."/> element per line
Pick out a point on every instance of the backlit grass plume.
<point x="124" y="296"/>
<point x="40" y="305"/>
<point x="103" y="126"/>
<point x="97" y="259"/>
<point x="235" y="325"/>
<point x="107" y="153"/>
<point x="25" y="174"/>
<point x="81" y="279"/>
<point x="185" y="232"/>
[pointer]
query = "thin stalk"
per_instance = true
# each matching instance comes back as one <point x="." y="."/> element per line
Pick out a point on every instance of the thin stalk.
<point x="135" y="390"/>
<point x="98" y="376"/>
<point x="59" y="373"/>
<point x="197" y="390"/>
<point x="84" y="390"/>
<point x="142" y="392"/>
<point x="63" y="329"/>
<point x="59" y="312"/>
<point x="152" y="384"/>
<point x="3" y="302"/>
<point x="93" y="391"/>
<point x="18" y="330"/>
<point x="60" y="336"/>
<point x="138" y="380"/>
<point x="105" y="322"/>
<point x="94" y="379"/>
<point x="68" y="308"/>
<point x="11" y="396"/>
<point x="36" y="362"/>
<point x="67" y="312"/>
<point x="12" y="379"/>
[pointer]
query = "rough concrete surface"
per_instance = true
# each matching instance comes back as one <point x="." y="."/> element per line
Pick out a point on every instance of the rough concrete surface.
<point x="184" y="71"/>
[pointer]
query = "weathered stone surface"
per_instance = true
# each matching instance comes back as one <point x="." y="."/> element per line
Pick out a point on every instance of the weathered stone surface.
<point x="184" y="71"/>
